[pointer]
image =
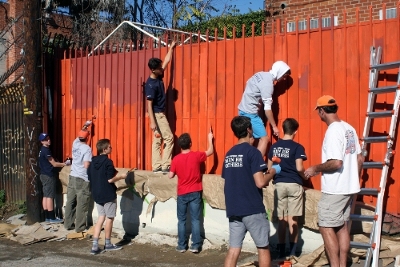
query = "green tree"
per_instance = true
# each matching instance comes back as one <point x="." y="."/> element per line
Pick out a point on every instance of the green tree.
<point x="230" y="22"/>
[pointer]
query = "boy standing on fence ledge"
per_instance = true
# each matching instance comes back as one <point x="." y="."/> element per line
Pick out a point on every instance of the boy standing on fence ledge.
<point x="155" y="95"/>
<point x="102" y="176"/>
<point x="186" y="166"/>
<point x="245" y="173"/>
<point x="47" y="165"/>
<point x="260" y="86"/>
<point x="288" y="193"/>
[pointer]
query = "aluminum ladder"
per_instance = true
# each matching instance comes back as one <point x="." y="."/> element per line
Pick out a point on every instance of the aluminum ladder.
<point x="373" y="247"/>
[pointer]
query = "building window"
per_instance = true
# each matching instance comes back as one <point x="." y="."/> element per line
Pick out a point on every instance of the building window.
<point x="326" y="22"/>
<point x="302" y="25"/>
<point x="291" y="26"/>
<point x="390" y="13"/>
<point x="313" y="23"/>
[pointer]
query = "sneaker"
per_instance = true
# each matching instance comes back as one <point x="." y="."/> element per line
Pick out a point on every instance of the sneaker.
<point x="194" y="250"/>
<point x="181" y="250"/>
<point x="112" y="247"/>
<point x="95" y="251"/>
<point x="166" y="170"/>
<point x="56" y="220"/>
<point x="47" y="220"/>
<point x="158" y="170"/>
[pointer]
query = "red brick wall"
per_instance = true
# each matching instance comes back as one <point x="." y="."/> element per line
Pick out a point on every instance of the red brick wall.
<point x="313" y="8"/>
<point x="16" y="10"/>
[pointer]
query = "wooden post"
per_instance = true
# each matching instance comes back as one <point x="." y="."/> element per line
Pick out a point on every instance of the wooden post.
<point x="33" y="106"/>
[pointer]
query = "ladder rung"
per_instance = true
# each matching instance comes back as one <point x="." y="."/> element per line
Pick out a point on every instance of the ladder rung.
<point x="386" y="66"/>
<point x="373" y="165"/>
<point x="386" y="89"/>
<point x="364" y="218"/>
<point x="376" y="139"/>
<point x="369" y="191"/>
<point x="361" y="245"/>
<point x="380" y="114"/>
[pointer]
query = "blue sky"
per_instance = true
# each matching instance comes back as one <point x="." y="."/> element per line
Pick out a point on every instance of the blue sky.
<point x="244" y="5"/>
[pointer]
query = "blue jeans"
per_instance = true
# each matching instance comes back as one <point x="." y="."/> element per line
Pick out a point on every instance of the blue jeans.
<point x="193" y="201"/>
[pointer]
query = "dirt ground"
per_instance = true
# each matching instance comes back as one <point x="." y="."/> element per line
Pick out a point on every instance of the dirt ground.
<point x="76" y="253"/>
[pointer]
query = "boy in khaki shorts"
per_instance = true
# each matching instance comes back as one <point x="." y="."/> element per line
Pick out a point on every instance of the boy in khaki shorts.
<point x="102" y="176"/>
<point x="288" y="195"/>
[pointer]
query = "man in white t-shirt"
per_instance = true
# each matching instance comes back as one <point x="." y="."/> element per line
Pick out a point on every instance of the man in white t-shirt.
<point x="340" y="168"/>
<point x="78" y="191"/>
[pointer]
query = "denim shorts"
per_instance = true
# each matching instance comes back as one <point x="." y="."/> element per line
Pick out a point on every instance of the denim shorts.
<point x="256" y="224"/>
<point x="257" y="124"/>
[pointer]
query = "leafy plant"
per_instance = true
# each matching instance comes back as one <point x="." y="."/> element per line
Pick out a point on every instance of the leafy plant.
<point x="2" y="197"/>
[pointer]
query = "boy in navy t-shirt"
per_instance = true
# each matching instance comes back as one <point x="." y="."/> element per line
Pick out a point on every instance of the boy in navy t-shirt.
<point x="245" y="174"/>
<point x="288" y="193"/>
<point x="47" y="164"/>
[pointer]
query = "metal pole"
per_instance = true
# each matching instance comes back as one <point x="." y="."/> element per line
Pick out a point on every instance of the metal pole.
<point x="33" y="106"/>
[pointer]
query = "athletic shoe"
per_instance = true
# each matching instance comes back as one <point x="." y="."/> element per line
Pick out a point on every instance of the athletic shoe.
<point x="181" y="250"/>
<point x="95" y="251"/>
<point x="158" y="170"/>
<point x="56" y="220"/>
<point x="112" y="247"/>
<point x="166" y="170"/>
<point x="194" y="250"/>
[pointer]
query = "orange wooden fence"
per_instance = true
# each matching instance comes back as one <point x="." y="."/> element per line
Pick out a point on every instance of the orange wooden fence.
<point x="205" y="82"/>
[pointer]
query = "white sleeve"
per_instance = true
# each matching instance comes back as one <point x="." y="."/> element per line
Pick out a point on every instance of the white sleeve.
<point x="267" y="89"/>
<point x="267" y="103"/>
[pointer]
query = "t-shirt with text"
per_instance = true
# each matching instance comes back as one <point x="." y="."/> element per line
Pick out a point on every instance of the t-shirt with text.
<point x="242" y="196"/>
<point x="288" y="151"/>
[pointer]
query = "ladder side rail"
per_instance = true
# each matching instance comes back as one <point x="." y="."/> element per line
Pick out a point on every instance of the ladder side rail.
<point x="375" y="58"/>
<point x="393" y="123"/>
<point x="378" y="211"/>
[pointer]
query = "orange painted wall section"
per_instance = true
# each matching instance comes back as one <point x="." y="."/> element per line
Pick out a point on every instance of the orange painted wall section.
<point x="205" y="82"/>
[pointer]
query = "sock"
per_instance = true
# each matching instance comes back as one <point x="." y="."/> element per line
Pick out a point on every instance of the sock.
<point x="281" y="250"/>
<point x="108" y="242"/>
<point x="293" y="247"/>
<point x="95" y="243"/>
<point x="51" y="215"/>
<point x="46" y="214"/>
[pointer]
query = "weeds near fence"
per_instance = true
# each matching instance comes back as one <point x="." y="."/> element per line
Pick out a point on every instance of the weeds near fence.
<point x="9" y="209"/>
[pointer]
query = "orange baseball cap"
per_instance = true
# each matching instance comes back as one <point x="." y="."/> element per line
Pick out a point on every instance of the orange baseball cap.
<point x="83" y="134"/>
<point x="325" y="101"/>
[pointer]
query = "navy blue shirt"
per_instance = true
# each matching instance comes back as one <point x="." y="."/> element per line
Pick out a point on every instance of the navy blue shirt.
<point x="242" y="196"/>
<point x="45" y="166"/>
<point x="288" y="151"/>
<point x="155" y="91"/>
<point x="99" y="172"/>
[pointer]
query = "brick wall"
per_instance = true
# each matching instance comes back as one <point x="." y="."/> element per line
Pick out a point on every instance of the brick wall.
<point x="313" y="8"/>
<point x="15" y="11"/>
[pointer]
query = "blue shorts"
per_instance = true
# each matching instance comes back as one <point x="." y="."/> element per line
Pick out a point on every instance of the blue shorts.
<point x="257" y="124"/>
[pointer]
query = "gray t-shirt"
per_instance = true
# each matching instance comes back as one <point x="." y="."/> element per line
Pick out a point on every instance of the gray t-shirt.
<point x="81" y="152"/>
<point x="259" y="86"/>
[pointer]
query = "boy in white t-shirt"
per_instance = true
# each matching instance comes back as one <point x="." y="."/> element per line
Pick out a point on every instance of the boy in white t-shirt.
<point x="340" y="168"/>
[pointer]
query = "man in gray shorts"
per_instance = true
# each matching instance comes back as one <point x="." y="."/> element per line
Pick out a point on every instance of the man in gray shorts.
<point x="341" y="167"/>
<point x="245" y="173"/>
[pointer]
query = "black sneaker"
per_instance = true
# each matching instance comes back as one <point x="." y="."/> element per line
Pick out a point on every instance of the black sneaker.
<point x="158" y="170"/>
<point x="95" y="251"/>
<point x="112" y="247"/>
<point x="166" y="170"/>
